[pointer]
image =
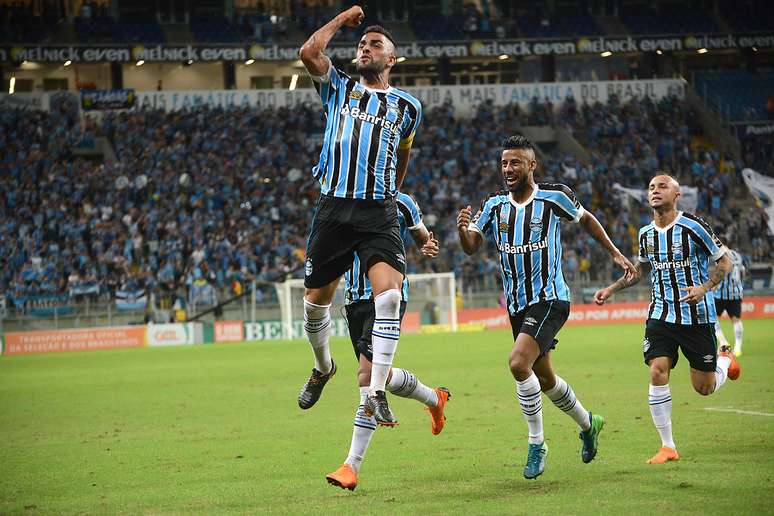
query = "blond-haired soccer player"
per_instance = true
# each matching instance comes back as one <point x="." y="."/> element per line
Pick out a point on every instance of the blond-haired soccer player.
<point x="687" y="260"/>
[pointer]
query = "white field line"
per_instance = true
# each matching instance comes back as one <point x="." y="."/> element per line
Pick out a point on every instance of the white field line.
<point x="736" y="411"/>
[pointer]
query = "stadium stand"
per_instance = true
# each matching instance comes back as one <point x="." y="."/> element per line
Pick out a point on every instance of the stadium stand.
<point x="738" y="94"/>
<point x="189" y="200"/>
<point x="669" y="19"/>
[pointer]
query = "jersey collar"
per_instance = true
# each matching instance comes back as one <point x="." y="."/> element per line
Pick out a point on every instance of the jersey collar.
<point x="529" y="199"/>
<point x="376" y="90"/>
<point x="669" y="226"/>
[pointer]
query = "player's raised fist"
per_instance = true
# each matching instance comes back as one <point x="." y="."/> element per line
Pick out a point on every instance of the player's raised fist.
<point x="463" y="218"/>
<point x="353" y="16"/>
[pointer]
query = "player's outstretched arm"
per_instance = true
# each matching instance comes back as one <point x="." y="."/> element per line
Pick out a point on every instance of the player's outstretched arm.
<point x="592" y="226"/>
<point x="695" y="294"/>
<point x="625" y="281"/>
<point x="470" y="240"/>
<point x="311" y="53"/>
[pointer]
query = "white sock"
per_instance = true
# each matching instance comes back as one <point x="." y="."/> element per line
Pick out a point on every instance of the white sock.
<point x="317" y="325"/>
<point x="660" y="401"/>
<point x="531" y="404"/>
<point x="564" y="398"/>
<point x="721" y="372"/>
<point x="384" y="336"/>
<point x="361" y="434"/>
<point x="404" y="384"/>
<point x="738" y="334"/>
<point x="719" y="334"/>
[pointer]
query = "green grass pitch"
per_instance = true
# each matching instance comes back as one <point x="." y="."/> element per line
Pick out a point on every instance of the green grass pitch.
<point x="216" y="429"/>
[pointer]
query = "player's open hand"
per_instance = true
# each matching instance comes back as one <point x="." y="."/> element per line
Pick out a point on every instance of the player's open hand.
<point x="602" y="295"/>
<point x="353" y="16"/>
<point x="463" y="218"/>
<point x="630" y="271"/>
<point x="430" y="249"/>
<point x="693" y="294"/>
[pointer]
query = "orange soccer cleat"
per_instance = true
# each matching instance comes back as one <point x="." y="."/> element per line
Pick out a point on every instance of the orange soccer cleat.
<point x="734" y="369"/>
<point x="664" y="455"/>
<point x="437" y="417"/>
<point x="344" y="477"/>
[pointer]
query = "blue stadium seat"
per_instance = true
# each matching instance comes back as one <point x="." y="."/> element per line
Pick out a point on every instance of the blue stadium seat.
<point x="737" y="94"/>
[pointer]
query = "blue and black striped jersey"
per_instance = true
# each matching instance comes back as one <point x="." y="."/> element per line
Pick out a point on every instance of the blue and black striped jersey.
<point x="356" y="286"/>
<point x="679" y="256"/>
<point x="732" y="288"/>
<point x="363" y="131"/>
<point x="528" y="237"/>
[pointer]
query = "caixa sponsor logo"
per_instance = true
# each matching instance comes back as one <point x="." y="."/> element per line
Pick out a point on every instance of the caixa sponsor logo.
<point x="523" y="248"/>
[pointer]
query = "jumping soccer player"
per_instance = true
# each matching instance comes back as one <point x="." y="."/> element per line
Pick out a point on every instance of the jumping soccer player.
<point x="728" y="298"/>
<point x="523" y="223"/>
<point x="365" y="153"/>
<point x="360" y="318"/>
<point x="678" y="247"/>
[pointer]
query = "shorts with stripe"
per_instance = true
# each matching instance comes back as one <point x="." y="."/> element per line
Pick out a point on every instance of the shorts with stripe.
<point x="343" y="227"/>
<point x="697" y="342"/>
<point x="541" y="321"/>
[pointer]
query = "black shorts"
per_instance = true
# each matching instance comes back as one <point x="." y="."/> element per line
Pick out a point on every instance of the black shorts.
<point x="542" y="321"/>
<point x="732" y="306"/>
<point x="343" y="227"/>
<point x="360" y="319"/>
<point x="697" y="341"/>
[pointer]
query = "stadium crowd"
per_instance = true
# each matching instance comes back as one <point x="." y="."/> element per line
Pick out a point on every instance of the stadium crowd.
<point x="215" y="198"/>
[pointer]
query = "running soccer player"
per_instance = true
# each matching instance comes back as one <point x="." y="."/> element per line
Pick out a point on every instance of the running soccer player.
<point x="728" y="298"/>
<point x="524" y="224"/>
<point x="678" y="247"/>
<point x="360" y="318"/>
<point x="370" y="127"/>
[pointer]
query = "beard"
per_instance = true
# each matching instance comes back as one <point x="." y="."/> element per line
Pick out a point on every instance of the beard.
<point x="371" y="72"/>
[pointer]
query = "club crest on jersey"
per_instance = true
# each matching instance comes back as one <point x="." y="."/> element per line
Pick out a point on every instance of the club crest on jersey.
<point x="502" y="226"/>
<point x="356" y="94"/>
<point x="536" y="225"/>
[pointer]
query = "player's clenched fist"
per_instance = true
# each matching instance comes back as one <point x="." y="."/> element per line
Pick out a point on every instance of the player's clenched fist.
<point x="353" y="16"/>
<point x="463" y="219"/>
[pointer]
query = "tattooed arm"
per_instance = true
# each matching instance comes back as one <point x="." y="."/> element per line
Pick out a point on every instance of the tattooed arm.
<point x="625" y="281"/>
<point x="695" y="294"/>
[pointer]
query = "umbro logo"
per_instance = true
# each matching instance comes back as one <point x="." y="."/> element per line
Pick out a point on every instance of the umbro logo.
<point x="308" y="267"/>
<point x="708" y="358"/>
<point x="530" y="321"/>
<point x="645" y="345"/>
<point x="400" y="258"/>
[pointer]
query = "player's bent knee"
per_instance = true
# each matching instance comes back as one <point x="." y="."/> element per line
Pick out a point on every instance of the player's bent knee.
<point x="520" y="367"/>
<point x="704" y="390"/>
